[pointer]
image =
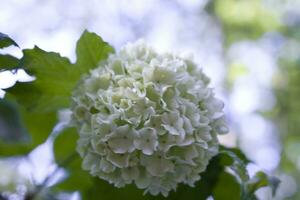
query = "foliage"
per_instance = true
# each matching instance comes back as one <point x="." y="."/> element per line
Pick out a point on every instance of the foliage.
<point x="56" y="76"/>
<point x="12" y="129"/>
<point x="6" y="41"/>
<point x="7" y="61"/>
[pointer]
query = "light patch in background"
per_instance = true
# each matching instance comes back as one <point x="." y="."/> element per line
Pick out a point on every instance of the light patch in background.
<point x="8" y="79"/>
<point x="287" y="188"/>
<point x="228" y="140"/>
<point x="265" y="148"/>
<point x="192" y="5"/>
<point x="252" y="93"/>
<point x="259" y="61"/>
<point x="39" y="164"/>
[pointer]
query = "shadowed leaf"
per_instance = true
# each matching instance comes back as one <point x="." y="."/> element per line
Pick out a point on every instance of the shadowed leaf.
<point x="12" y="129"/>
<point x="8" y="62"/>
<point x="6" y="41"/>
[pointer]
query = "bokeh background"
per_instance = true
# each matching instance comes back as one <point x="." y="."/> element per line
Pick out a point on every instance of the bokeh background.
<point x="249" y="48"/>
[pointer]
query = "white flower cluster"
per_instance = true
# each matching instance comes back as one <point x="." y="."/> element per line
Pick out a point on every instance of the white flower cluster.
<point x="148" y="119"/>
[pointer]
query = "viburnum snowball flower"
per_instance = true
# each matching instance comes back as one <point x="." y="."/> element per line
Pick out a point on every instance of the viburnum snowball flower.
<point x="147" y="118"/>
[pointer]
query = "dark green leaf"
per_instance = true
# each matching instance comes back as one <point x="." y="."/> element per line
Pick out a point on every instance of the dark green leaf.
<point x="237" y="152"/>
<point x="209" y="178"/>
<point x="76" y="180"/>
<point x="6" y="41"/>
<point x="8" y="62"/>
<point x="227" y="188"/>
<point x="234" y="159"/>
<point x="38" y="125"/>
<point x="12" y="129"/>
<point x="213" y="181"/>
<point x="8" y="149"/>
<point x="229" y="158"/>
<point x="107" y="191"/>
<point x="38" y="129"/>
<point x="65" y="144"/>
<point x="21" y="92"/>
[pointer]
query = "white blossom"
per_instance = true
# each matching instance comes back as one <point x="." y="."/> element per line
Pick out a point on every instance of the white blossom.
<point x="146" y="140"/>
<point x="147" y="119"/>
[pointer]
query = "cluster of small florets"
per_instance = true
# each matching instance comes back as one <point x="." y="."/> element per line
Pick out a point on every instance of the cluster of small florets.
<point x="148" y="119"/>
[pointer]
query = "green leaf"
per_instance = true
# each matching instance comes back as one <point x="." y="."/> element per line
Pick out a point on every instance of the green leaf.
<point x="214" y="178"/>
<point x="215" y="181"/>
<point x="39" y="130"/>
<point x="90" y="50"/>
<point x="229" y="158"/>
<point x="55" y="75"/>
<point x="107" y="191"/>
<point x="12" y="129"/>
<point x="237" y="152"/>
<point x="56" y="78"/>
<point x="8" y="62"/>
<point x="227" y="188"/>
<point x="6" y="41"/>
<point x="65" y="144"/>
<point x="209" y="178"/>
<point x="38" y="125"/>
<point x="9" y="149"/>
<point x="67" y="157"/>
<point x="51" y="90"/>
<point x="236" y="161"/>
